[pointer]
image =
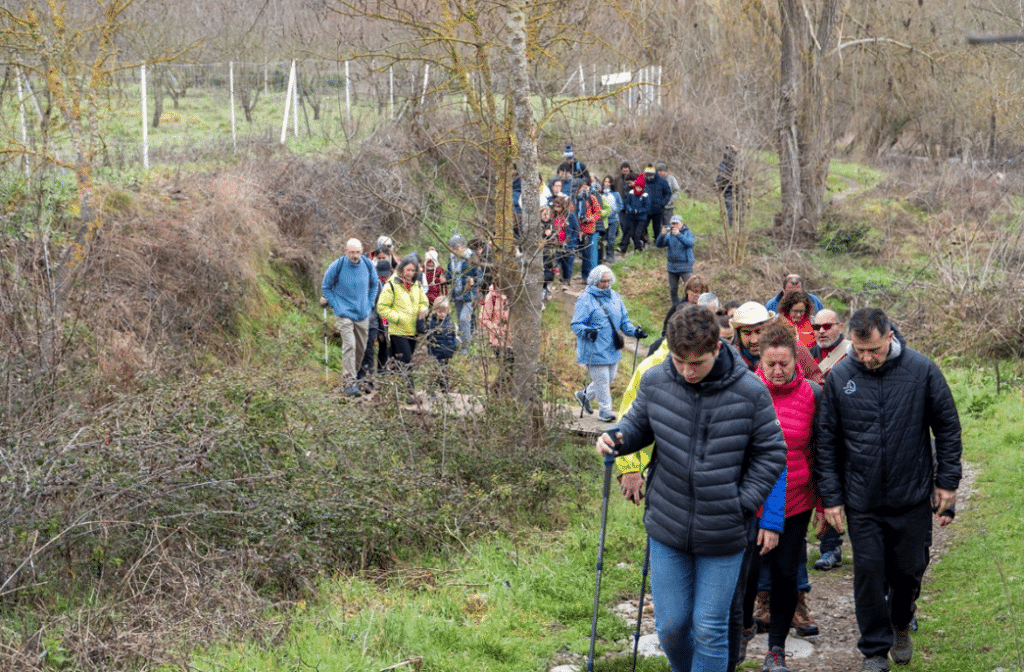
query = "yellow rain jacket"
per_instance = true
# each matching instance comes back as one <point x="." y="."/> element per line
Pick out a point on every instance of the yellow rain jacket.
<point x="401" y="306"/>
<point x="638" y="461"/>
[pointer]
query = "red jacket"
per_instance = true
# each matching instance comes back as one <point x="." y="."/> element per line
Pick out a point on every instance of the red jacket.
<point x="437" y="283"/>
<point x="588" y="224"/>
<point x="794" y="404"/>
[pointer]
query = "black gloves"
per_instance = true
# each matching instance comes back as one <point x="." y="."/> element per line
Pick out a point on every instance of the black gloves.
<point x="590" y="334"/>
<point x="639" y="334"/>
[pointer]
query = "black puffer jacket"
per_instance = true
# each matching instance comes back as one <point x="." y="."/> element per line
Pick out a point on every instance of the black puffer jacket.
<point x="874" y="448"/>
<point x="720" y="450"/>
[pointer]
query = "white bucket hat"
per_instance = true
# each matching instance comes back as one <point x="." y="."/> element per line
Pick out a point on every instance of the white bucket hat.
<point x="749" y="314"/>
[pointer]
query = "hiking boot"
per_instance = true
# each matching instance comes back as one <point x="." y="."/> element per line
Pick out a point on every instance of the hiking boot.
<point x="775" y="660"/>
<point x="762" y="610"/>
<point x="353" y="391"/>
<point x="802" y="620"/>
<point x="745" y="639"/>
<point x="606" y="417"/>
<point x="581" y="397"/>
<point x="902" y="648"/>
<point x="875" y="664"/>
<point x="829" y="560"/>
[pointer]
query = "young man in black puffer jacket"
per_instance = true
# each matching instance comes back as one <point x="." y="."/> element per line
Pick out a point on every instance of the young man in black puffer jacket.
<point x="720" y="450"/>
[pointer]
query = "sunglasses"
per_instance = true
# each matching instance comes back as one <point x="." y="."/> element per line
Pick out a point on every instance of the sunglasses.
<point x="822" y="327"/>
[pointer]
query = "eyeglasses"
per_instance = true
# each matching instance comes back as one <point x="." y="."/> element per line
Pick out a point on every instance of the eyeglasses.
<point x="824" y="326"/>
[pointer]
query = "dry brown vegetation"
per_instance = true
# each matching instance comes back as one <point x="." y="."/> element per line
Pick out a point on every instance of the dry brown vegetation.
<point x="183" y="467"/>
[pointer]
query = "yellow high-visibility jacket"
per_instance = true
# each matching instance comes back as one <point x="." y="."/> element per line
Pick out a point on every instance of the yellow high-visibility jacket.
<point x="638" y="461"/>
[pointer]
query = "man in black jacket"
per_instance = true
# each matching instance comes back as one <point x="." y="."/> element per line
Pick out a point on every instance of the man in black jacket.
<point x="874" y="464"/>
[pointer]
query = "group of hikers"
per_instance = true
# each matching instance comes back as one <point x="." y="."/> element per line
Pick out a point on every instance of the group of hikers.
<point x="393" y="303"/>
<point x="746" y="423"/>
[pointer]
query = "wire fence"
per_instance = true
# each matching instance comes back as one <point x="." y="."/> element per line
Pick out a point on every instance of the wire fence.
<point x="171" y="112"/>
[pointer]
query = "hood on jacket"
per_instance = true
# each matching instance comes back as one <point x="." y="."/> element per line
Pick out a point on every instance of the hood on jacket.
<point x="895" y="350"/>
<point x="597" y="273"/>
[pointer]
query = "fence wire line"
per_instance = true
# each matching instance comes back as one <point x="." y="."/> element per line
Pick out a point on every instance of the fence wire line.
<point x="188" y="106"/>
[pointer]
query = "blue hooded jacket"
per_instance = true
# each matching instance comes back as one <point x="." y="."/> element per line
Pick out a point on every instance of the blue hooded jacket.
<point x="588" y="314"/>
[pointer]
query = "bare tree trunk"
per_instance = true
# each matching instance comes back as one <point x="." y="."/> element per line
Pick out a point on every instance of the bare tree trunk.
<point x="526" y="304"/>
<point x="805" y="144"/>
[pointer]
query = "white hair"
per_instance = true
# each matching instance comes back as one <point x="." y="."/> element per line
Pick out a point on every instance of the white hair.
<point x="353" y="244"/>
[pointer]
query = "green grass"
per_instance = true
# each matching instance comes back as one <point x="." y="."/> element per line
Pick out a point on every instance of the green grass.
<point x="506" y="605"/>
<point x="973" y="610"/>
<point x="519" y="604"/>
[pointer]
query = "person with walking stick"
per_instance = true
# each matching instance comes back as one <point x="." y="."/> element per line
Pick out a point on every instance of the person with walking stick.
<point x="720" y="452"/>
<point x="598" y="316"/>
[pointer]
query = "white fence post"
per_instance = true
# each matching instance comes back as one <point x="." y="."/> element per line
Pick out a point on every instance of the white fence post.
<point x="426" y="79"/>
<point x="295" y="101"/>
<point x="145" y="122"/>
<point x="287" y="104"/>
<point x="348" y="94"/>
<point x="231" y="85"/>
<point x="583" y="83"/>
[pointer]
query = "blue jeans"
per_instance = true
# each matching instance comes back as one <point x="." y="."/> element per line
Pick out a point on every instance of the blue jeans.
<point x="588" y="254"/>
<point x="691" y="611"/>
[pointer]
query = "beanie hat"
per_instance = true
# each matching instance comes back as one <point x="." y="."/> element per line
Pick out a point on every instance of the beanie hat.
<point x="385" y="241"/>
<point x="677" y="218"/>
<point x="383" y="267"/>
<point x="649" y="169"/>
<point x="432" y="254"/>
<point x="641" y="182"/>
<point x="749" y="314"/>
<point x="568" y="153"/>
<point x="662" y="167"/>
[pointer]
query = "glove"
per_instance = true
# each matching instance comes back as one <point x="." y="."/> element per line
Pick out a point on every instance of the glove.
<point x="590" y="334"/>
<point x="639" y="334"/>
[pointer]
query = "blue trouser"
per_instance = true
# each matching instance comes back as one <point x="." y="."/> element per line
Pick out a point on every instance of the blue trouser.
<point x="463" y="308"/>
<point x="830" y="541"/>
<point x="691" y="611"/>
<point x="565" y="260"/>
<point x="610" y="241"/>
<point x="588" y="254"/>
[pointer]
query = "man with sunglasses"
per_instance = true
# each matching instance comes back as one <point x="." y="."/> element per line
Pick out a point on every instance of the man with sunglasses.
<point x="830" y="348"/>
<point x="830" y="344"/>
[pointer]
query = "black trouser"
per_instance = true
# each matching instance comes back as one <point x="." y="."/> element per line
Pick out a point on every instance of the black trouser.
<point x="657" y="221"/>
<point x="736" y="616"/>
<point x="783" y="562"/>
<point x="632" y="229"/>
<point x="402" y="348"/>
<point x="890" y="548"/>
<point x="366" y="366"/>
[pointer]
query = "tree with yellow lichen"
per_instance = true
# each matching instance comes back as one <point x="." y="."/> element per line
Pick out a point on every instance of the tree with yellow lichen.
<point x="74" y="50"/>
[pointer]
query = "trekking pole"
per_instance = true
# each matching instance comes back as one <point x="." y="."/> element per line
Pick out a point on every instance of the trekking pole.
<point x="636" y="349"/>
<point x="609" y="460"/>
<point x="327" y="370"/>
<point x="640" y="608"/>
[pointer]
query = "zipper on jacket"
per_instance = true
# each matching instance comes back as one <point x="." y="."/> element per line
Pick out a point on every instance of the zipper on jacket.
<point x="697" y="407"/>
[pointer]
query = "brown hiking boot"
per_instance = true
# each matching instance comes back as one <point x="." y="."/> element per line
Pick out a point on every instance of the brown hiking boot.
<point x="802" y="620"/>
<point x="762" y="610"/>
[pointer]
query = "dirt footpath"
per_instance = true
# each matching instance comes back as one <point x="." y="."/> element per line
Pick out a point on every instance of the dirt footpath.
<point x="831" y="603"/>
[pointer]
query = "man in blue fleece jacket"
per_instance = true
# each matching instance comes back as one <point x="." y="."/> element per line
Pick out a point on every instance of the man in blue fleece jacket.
<point x="351" y="286"/>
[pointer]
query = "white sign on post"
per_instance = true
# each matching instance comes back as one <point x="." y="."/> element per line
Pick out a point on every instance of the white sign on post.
<point x="616" y="78"/>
